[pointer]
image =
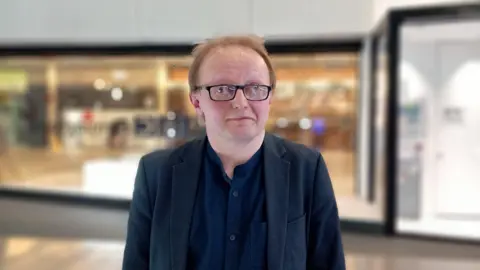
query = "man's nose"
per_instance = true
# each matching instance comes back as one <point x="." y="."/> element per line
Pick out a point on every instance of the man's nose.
<point x="240" y="100"/>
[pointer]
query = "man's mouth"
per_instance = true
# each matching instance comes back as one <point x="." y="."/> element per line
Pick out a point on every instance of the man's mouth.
<point x="240" y="118"/>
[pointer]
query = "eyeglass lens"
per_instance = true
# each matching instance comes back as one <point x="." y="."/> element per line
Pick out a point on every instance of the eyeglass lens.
<point x="227" y="92"/>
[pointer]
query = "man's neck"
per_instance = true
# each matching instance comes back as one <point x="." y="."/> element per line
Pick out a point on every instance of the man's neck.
<point x="234" y="153"/>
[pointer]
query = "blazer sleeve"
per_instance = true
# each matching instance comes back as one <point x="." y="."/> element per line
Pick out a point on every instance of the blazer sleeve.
<point x="136" y="253"/>
<point x="325" y="241"/>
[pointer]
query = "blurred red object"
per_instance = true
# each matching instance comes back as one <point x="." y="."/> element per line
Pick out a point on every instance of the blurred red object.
<point x="87" y="117"/>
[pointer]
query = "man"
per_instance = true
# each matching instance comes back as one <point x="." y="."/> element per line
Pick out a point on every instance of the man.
<point x="238" y="198"/>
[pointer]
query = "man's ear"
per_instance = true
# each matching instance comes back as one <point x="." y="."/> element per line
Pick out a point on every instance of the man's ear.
<point x="270" y="97"/>
<point x="194" y="100"/>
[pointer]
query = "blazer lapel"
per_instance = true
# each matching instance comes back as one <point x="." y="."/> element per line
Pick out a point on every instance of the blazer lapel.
<point x="277" y="171"/>
<point x="184" y="188"/>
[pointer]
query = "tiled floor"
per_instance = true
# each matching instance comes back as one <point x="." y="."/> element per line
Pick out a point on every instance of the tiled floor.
<point x="363" y="253"/>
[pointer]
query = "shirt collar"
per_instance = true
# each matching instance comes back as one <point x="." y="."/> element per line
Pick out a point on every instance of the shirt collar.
<point x="241" y="169"/>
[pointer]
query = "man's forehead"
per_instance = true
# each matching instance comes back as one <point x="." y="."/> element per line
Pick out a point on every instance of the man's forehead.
<point x="232" y="64"/>
<point x="231" y="53"/>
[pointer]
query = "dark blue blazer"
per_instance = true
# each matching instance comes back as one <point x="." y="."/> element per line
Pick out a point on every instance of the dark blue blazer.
<point x="302" y="215"/>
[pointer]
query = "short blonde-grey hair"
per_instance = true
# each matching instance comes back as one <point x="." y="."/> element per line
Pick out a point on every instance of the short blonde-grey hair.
<point x="201" y="50"/>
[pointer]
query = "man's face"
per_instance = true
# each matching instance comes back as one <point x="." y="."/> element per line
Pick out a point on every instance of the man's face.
<point x="238" y="119"/>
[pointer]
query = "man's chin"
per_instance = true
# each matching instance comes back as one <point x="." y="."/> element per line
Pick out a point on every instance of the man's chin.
<point x="243" y="134"/>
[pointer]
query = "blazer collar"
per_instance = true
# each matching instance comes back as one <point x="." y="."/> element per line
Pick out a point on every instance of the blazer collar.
<point x="186" y="174"/>
<point x="277" y="178"/>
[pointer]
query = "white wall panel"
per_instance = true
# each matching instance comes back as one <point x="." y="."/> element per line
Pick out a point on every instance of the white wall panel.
<point x="311" y="18"/>
<point x="160" y="21"/>
<point x="96" y="21"/>
<point x="188" y="20"/>
<point x="67" y="21"/>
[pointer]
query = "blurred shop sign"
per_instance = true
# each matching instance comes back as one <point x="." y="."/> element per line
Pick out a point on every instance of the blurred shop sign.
<point x="13" y="80"/>
<point x="159" y="126"/>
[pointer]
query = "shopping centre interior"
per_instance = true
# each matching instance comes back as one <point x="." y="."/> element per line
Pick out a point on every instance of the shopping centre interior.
<point x="395" y="115"/>
<point x="68" y="116"/>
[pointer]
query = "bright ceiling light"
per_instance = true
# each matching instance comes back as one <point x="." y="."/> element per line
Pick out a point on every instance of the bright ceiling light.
<point x="117" y="94"/>
<point x="305" y="123"/>
<point x="99" y="84"/>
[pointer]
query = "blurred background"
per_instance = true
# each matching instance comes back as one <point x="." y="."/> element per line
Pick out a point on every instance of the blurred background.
<point x="387" y="91"/>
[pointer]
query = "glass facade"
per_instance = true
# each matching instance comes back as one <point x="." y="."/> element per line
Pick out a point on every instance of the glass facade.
<point x="438" y="154"/>
<point x="424" y="156"/>
<point x="80" y="123"/>
<point x="379" y="126"/>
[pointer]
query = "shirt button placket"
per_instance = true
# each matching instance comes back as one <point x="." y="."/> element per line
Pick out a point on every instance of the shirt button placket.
<point x="233" y="220"/>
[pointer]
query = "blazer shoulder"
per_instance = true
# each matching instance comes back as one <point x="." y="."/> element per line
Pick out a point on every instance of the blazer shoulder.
<point x="155" y="168"/>
<point x="156" y="159"/>
<point x="167" y="157"/>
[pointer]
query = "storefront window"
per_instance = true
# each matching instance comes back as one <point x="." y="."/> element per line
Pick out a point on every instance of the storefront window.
<point x="369" y="203"/>
<point x="315" y="104"/>
<point x="82" y="123"/>
<point x="438" y="137"/>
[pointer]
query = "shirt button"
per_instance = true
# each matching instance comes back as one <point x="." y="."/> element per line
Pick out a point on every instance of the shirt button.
<point x="232" y="237"/>
<point x="235" y="193"/>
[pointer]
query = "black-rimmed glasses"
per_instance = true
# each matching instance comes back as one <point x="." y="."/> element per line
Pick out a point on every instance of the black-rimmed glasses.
<point x="226" y="92"/>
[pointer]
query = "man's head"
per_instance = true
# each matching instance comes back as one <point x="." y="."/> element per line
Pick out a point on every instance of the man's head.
<point x="231" y="81"/>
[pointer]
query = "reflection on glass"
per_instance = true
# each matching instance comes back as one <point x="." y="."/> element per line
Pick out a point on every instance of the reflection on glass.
<point x="82" y="123"/>
<point x="380" y="117"/>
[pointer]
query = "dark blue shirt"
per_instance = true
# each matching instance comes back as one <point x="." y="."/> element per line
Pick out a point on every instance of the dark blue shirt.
<point x="229" y="226"/>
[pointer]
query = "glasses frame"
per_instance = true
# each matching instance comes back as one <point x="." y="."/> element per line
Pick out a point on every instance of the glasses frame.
<point x="237" y="87"/>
